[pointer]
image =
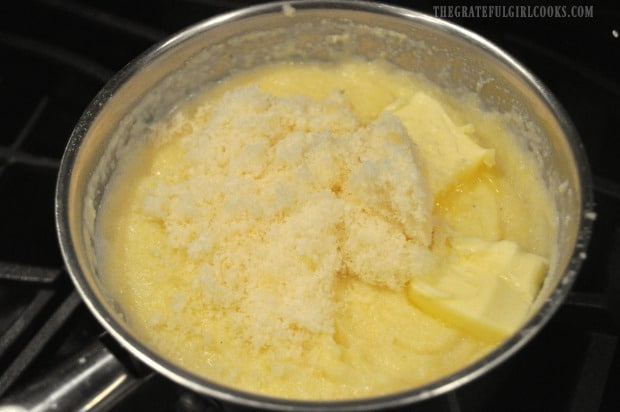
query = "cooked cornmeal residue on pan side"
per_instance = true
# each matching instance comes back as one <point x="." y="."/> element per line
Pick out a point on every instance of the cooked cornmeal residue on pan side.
<point x="326" y="231"/>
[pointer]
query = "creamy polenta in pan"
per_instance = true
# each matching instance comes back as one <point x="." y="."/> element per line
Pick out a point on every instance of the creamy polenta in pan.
<point x="326" y="231"/>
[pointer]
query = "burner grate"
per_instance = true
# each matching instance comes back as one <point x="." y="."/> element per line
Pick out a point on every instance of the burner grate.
<point x="594" y="374"/>
<point x="29" y="353"/>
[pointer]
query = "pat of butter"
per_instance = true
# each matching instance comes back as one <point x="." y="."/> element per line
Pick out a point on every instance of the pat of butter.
<point x="448" y="152"/>
<point x="485" y="288"/>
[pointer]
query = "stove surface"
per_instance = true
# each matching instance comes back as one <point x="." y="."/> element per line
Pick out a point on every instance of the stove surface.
<point x="55" y="55"/>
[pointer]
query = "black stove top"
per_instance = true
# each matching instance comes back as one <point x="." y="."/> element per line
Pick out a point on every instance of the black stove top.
<point x="54" y="57"/>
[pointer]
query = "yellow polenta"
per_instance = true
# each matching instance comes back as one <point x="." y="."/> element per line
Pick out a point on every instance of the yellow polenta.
<point x="321" y="231"/>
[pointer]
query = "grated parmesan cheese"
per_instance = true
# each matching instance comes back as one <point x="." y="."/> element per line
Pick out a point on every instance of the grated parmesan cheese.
<point x="298" y="193"/>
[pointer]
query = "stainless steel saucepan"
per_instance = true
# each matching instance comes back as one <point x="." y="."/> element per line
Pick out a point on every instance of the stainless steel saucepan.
<point x="153" y="85"/>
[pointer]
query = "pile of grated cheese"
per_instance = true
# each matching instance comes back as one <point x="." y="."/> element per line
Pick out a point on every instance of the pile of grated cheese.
<point x="274" y="198"/>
